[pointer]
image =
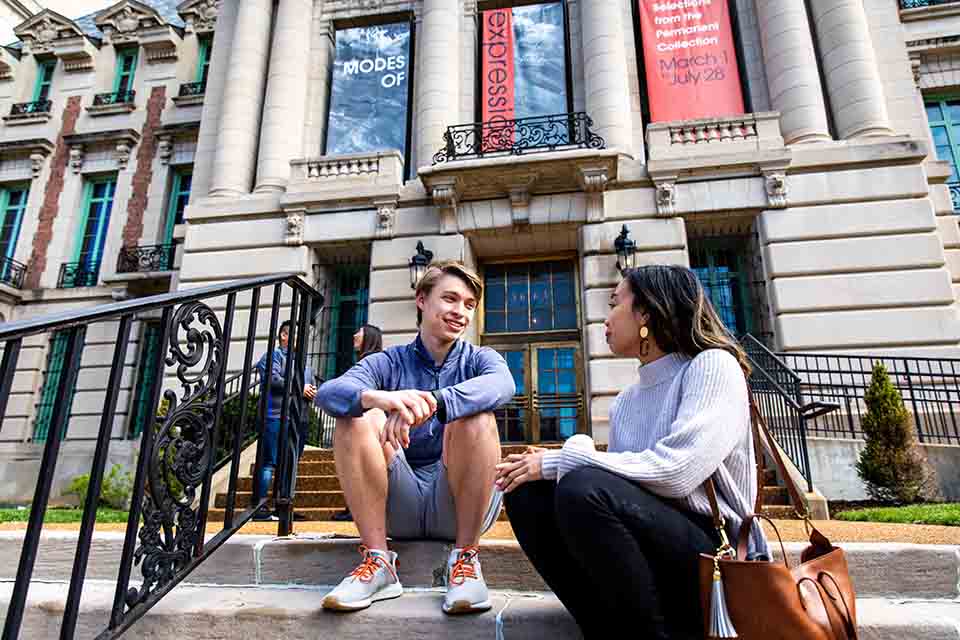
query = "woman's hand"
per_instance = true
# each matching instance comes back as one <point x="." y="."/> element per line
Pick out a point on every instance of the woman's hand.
<point x="520" y="468"/>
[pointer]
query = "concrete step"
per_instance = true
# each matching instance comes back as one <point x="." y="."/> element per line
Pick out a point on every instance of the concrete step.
<point x="303" y="499"/>
<point x="304" y="483"/>
<point x="314" y="515"/>
<point x="309" y="469"/>
<point x="775" y="496"/>
<point x="216" y="612"/>
<point x="878" y="569"/>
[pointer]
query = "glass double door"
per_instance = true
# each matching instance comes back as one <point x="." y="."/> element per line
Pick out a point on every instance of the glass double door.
<point x="548" y="405"/>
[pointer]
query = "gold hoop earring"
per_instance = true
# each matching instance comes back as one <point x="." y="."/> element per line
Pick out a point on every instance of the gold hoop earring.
<point x="644" y="341"/>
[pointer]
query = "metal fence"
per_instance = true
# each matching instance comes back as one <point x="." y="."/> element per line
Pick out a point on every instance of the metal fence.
<point x="164" y="537"/>
<point x="930" y="388"/>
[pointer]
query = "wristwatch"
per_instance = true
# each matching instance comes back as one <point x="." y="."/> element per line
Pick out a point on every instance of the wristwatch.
<point x="441" y="406"/>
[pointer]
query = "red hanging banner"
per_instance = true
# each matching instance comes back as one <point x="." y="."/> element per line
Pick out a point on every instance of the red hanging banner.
<point x="499" y="97"/>
<point x="690" y="59"/>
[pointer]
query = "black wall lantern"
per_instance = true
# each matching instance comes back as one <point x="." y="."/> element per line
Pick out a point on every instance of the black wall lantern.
<point x="626" y="250"/>
<point x="419" y="264"/>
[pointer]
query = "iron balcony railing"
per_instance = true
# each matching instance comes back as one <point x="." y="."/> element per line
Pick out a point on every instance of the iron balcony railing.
<point x="115" y="97"/>
<point x="165" y="529"/>
<point x="917" y="4"/>
<point x="12" y="272"/>
<point x="519" y="136"/>
<point x="78" y="274"/>
<point x="955" y="195"/>
<point x="146" y="259"/>
<point x="31" y="108"/>
<point x="930" y="388"/>
<point x="787" y="418"/>
<point x="189" y="89"/>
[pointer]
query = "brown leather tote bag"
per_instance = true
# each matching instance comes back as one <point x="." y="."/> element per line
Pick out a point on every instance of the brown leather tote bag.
<point x="761" y="600"/>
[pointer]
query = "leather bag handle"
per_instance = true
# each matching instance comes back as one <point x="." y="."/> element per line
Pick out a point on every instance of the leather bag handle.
<point x="760" y="429"/>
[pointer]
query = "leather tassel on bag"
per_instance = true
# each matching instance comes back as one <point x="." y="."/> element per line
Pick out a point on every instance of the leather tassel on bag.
<point x="721" y="626"/>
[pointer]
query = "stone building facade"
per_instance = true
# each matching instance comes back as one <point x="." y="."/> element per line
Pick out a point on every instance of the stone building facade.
<point x="819" y="216"/>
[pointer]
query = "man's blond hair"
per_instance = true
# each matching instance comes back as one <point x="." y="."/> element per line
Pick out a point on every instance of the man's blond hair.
<point x="437" y="270"/>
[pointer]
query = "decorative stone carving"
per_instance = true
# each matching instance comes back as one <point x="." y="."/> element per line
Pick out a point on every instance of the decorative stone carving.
<point x="122" y="155"/>
<point x="76" y="158"/>
<point x="295" y="225"/>
<point x="445" y="197"/>
<point x="593" y="180"/>
<point x="165" y="149"/>
<point x="124" y="21"/>
<point x="666" y="198"/>
<point x="518" y="189"/>
<point x="36" y="164"/>
<point x="199" y="15"/>
<point x="776" y="184"/>
<point x="386" y="217"/>
<point x="43" y="31"/>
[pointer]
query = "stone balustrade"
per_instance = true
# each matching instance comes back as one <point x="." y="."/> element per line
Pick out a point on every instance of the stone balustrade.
<point x="362" y="175"/>
<point x="710" y="136"/>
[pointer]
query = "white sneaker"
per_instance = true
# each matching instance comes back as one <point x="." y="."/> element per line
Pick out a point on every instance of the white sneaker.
<point x="375" y="579"/>
<point x="466" y="590"/>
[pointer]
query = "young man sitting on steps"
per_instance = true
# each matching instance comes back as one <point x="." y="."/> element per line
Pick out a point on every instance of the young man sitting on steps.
<point x="416" y="445"/>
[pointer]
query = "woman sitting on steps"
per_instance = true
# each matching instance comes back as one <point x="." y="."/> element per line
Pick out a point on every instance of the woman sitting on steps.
<point x="616" y="535"/>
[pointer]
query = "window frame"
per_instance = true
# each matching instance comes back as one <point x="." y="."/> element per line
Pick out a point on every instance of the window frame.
<point x="941" y="100"/>
<point x="139" y="415"/>
<point x="176" y="190"/>
<point x="523" y="336"/>
<point x="132" y="53"/>
<point x="567" y="63"/>
<point x="103" y="223"/>
<point x="11" y="249"/>
<point x="42" y="81"/>
<point x="205" y="44"/>
<point x="56" y="352"/>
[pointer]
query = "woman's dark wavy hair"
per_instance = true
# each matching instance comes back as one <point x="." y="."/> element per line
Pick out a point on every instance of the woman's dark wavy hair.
<point x="682" y="318"/>
<point x="372" y="341"/>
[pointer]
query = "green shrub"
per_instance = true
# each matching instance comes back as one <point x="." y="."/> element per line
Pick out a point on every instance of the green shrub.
<point x="891" y="464"/>
<point x="115" y="490"/>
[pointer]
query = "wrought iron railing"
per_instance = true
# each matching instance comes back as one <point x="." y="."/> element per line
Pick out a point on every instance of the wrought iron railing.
<point x="930" y="388"/>
<point x="115" y="97"/>
<point x="955" y="195"/>
<point x="31" y="108"/>
<point x="145" y="259"/>
<point x="917" y="4"/>
<point x="787" y="418"/>
<point x="78" y="274"/>
<point x="516" y="137"/>
<point x="190" y="89"/>
<point x="166" y="525"/>
<point x="12" y="272"/>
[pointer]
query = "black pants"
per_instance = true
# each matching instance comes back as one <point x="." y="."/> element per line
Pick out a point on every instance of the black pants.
<point x="616" y="555"/>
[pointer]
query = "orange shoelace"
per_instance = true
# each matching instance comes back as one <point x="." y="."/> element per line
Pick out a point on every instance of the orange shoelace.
<point x="368" y="568"/>
<point x="464" y="568"/>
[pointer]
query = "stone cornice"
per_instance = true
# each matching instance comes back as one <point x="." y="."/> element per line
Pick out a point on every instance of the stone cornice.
<point x="132" y="22"/>
<point x="200" y="16"/>
<point x="45" y="31"/>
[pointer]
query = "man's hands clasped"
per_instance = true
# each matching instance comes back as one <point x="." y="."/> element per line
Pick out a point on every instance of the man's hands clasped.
<point x="405" y="410"/>
<point x="519" y="468"/>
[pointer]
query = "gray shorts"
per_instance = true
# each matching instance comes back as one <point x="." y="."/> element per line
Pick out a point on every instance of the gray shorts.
<point x="420" y="504"/>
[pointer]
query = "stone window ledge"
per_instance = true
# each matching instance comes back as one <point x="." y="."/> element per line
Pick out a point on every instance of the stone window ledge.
<point x="140" y="276"/>
<point x="111" y="109"/>
<point x="188" y="101"/>
<point x="933" y="12"/>
<point x="25" y="119"/>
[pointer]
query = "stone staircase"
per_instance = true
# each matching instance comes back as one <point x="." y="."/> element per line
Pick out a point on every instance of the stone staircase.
<point x="319" y="496"/>
<point x="264" y="587"/>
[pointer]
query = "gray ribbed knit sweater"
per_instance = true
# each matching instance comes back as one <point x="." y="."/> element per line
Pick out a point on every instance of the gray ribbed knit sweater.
<point x="681" y="422"/>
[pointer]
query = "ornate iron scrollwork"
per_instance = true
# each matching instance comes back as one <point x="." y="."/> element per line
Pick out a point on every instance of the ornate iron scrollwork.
<point x="516" y="137"/>
<point x="145" y="259"/>
<point x="78" y="274"/>
<point x="182" y="451"/>
<point x="190" y="89"/>
<point x="12" y="272"/>
<point x="115" y="97"/>
<point x="31" y="108"/>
